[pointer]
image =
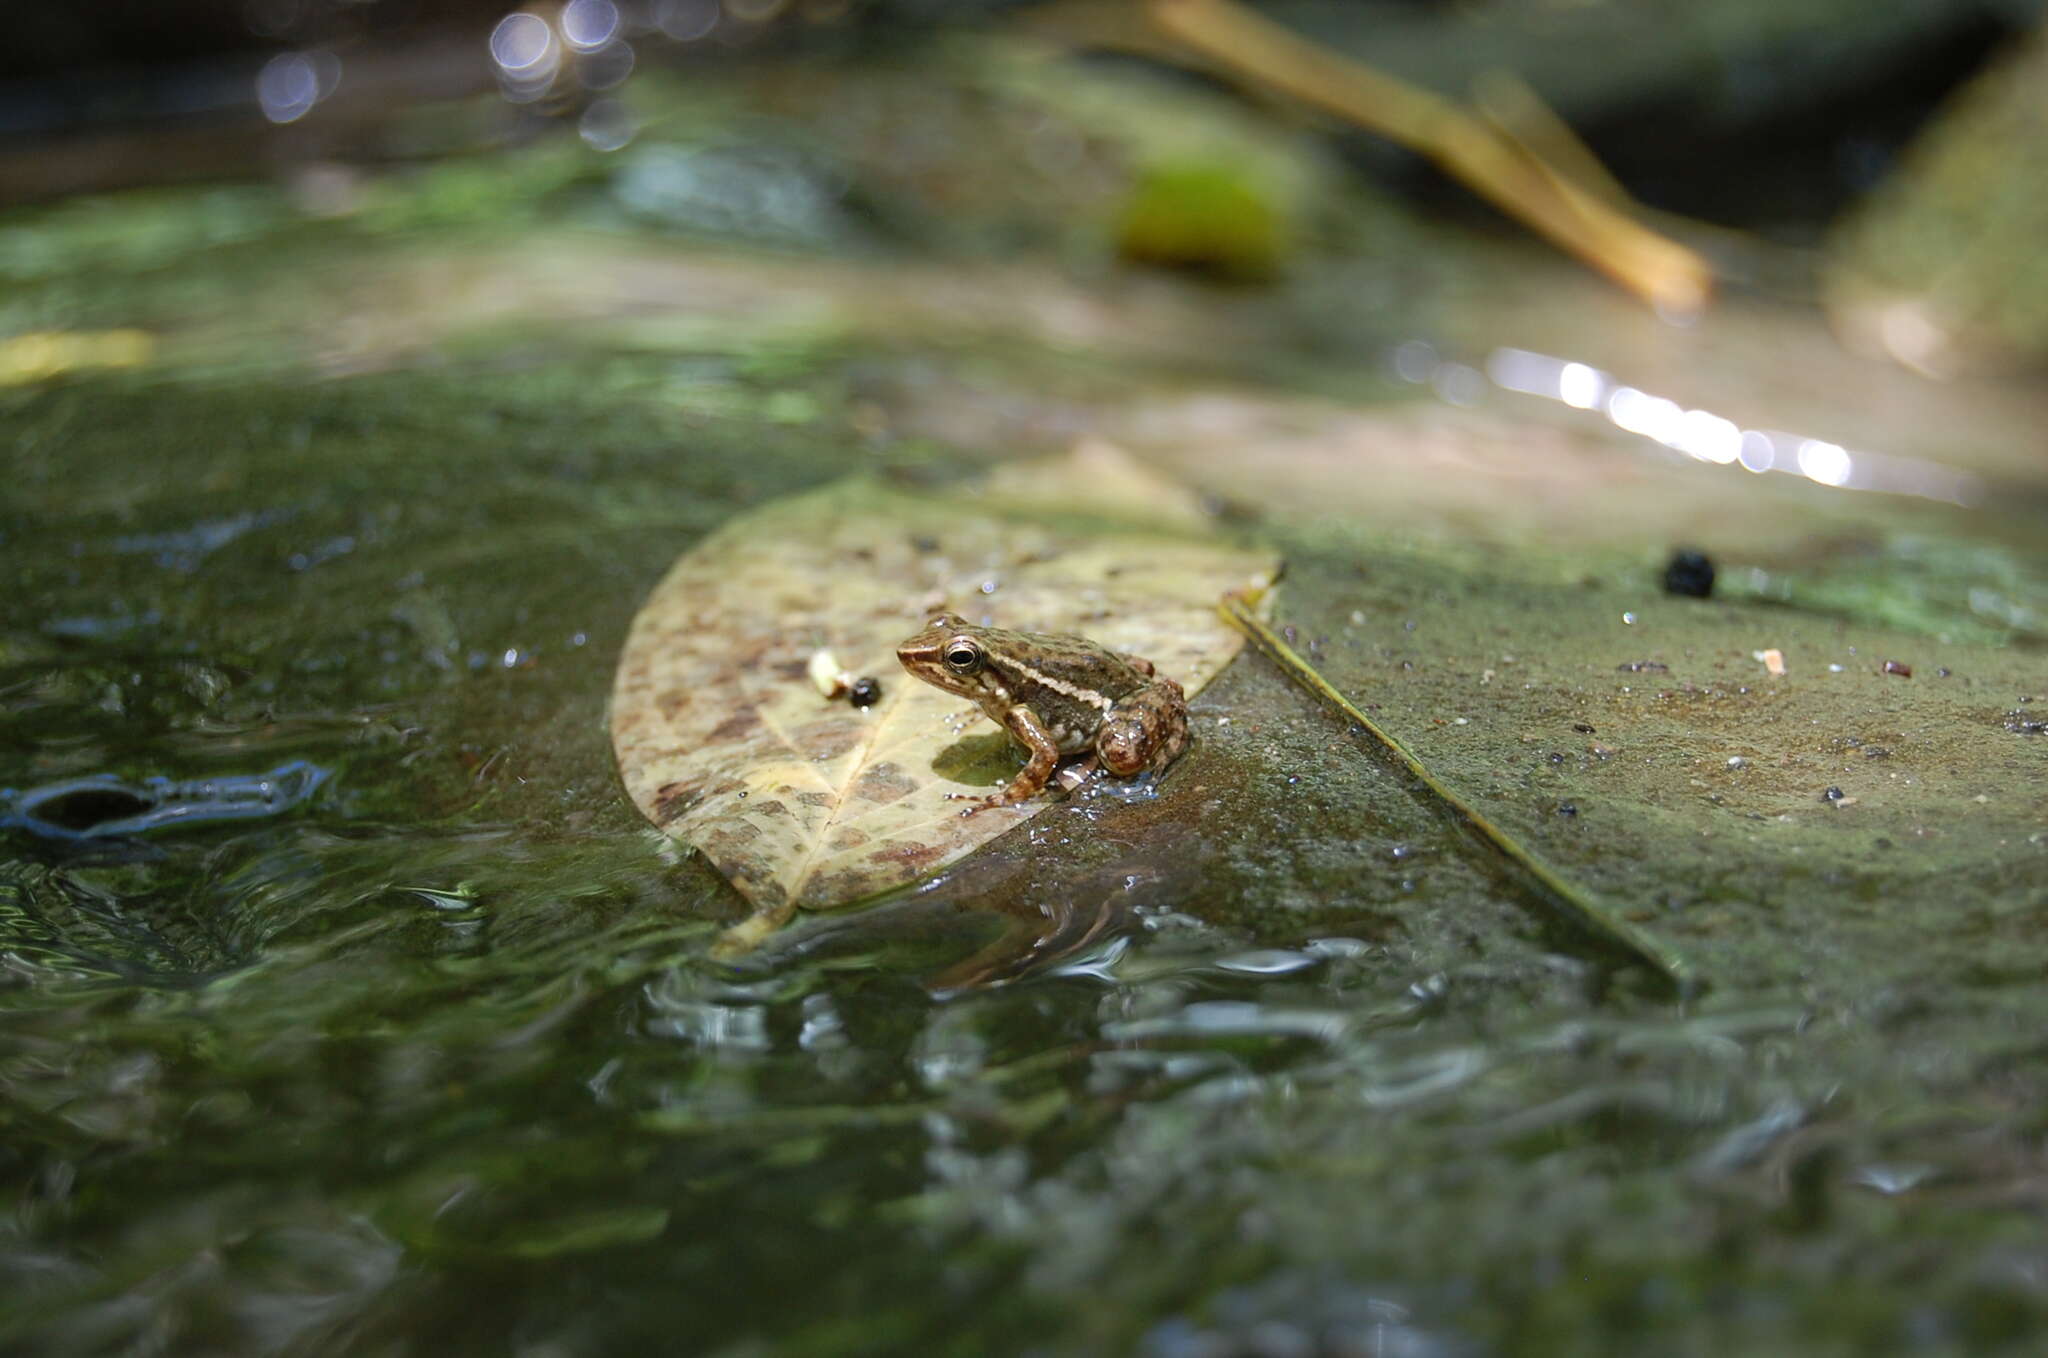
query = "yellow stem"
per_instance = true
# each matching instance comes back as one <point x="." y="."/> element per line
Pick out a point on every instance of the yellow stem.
<point x="1675" y="279"/>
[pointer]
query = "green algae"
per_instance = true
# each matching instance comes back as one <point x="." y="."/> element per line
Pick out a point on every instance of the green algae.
<point x="1939" y="587"/>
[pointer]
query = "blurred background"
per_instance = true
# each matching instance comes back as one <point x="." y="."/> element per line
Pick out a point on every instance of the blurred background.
<point x="1735" y="112"/>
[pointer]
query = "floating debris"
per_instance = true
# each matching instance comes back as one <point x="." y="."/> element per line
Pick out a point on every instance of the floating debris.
<point x="1773" y="661"/>
<point x="1898" y="667"/>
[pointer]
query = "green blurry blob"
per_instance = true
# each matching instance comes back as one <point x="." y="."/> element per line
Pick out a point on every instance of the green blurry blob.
<point x="1206" y="218"/>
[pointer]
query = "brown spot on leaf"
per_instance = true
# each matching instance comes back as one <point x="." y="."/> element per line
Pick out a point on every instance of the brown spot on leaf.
<point x="741" y="724"/>
<point x="729" y="835"/>
<point x="883" y="783"/>
<point x="849" y="837"/>
<point x="673" y="799"/>
<point x="917" y="857"/>
<point x="828" y="739"/>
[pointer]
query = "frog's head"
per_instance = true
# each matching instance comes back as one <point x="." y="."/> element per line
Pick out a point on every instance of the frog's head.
<point x="949" y="654"/>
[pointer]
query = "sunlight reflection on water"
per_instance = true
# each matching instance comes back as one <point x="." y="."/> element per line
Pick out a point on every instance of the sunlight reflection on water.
<point x="1699" y="434"/>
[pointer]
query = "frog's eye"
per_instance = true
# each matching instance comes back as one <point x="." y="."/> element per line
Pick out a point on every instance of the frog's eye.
<point x="963" y="657"/>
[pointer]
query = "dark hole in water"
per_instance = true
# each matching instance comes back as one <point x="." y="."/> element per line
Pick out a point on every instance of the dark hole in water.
<point x="87" y="807"/>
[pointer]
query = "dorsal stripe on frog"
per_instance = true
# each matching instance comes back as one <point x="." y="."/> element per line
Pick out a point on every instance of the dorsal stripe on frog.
<point x="1060" y="686"/>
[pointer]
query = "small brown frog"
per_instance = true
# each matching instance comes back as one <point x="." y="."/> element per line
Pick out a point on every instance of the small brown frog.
<point x="1055" y="695"/>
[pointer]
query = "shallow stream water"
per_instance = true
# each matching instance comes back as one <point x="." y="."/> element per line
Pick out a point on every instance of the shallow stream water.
<point x="382" y="1024"/>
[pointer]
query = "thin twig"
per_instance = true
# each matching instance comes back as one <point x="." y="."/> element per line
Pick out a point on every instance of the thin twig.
<point x="1261" y="53"/>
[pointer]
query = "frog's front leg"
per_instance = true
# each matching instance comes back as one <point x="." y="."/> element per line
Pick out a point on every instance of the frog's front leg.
<point x="1023" y="724"/>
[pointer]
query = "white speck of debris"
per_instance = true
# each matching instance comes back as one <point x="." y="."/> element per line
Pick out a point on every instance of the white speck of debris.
<point x="1737" y="762"/>
<point x="1628" y="620"/>
<point x="1834" y="669"/>
<point x="1467" y="721"/>
<point x="1981" y="799"/>
<point x="1357" y="618"/>
<point x="1773" y="660"/>
<point x="826" y="675"/>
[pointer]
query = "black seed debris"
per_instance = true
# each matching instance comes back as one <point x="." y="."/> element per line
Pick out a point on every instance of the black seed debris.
<point x="1689" y="573"/>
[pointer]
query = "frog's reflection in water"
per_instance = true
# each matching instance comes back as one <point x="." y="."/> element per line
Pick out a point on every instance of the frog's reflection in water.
<point x="1065" y="936"/>
<point x="978" y="926"/>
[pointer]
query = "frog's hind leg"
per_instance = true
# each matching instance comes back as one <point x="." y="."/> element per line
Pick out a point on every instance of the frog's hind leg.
<point x="1147" y="730"/>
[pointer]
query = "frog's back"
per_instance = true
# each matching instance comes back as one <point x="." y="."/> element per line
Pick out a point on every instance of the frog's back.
<point x="1053" y="668"/>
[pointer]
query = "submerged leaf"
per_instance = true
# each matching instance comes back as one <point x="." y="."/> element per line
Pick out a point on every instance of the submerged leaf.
<point x="803" y="802"/>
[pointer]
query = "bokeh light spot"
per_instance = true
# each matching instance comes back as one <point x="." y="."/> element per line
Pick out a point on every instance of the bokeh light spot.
<point x="589" y="24"/>
<point x="290" y="83"/>
<point x="1827" y="463"/>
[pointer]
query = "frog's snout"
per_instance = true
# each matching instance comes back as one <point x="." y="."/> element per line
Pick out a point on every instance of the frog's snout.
<point x="922" y="649"/>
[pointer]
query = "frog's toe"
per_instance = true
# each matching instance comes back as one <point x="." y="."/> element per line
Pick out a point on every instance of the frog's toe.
<point x="978" y="803"/>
